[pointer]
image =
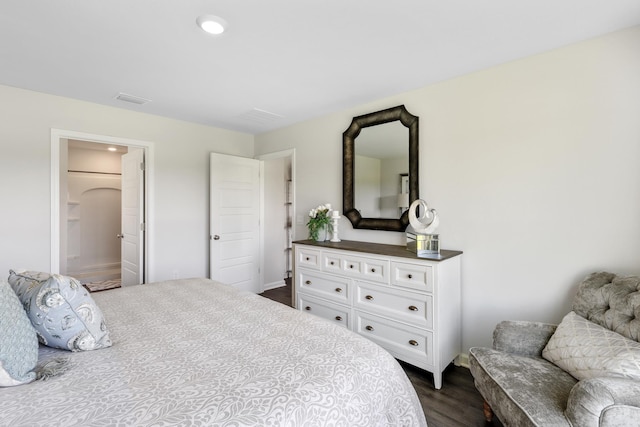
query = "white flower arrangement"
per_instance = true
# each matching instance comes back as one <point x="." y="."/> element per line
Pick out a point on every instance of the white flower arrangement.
<point x="319" y="218"/>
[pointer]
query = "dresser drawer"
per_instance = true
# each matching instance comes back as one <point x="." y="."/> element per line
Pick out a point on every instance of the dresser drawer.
<point x="332" y="262"/>
<point x="370" y="269"/>
<point x="413" y="276"/>
<point x="323" y="285"/>
<point x="308" y="258"/>
<point x="399" y="339"/>
<point x="333" y="312"/>
<point x="410" y="307"/>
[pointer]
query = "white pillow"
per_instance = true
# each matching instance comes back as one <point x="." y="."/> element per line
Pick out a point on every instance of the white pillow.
<point x="18" y="341"/>
<point x="587" y="350"/>
<point x="61" y="310"/>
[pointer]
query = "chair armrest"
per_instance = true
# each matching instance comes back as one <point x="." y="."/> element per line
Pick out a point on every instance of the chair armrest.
<point x="522" y="337"/>
<point x="599" y="402"/>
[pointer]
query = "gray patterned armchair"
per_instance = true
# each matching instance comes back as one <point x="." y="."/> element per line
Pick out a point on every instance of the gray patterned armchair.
<point x="584" y="372"/>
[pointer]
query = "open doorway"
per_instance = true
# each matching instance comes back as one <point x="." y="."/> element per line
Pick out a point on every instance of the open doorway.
<point x="278" y="213"/>
<point x="93" y="234"/>
<point x="95" y="238"/>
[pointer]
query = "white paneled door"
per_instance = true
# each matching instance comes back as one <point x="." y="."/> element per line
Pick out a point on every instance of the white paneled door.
<point x="132" y="234"/>
<point x="235" y="221"/>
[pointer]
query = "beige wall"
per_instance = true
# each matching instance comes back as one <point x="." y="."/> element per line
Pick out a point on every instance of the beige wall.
<point x="181" y="173"/>
<point x="532" y="166"/>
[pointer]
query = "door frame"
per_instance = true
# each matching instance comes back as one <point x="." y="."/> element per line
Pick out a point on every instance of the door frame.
<point x="148" y="147"/>
<point x="272" y="156"/>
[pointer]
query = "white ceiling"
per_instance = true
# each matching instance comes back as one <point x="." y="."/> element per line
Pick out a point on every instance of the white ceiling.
<point x="294" y="59"/>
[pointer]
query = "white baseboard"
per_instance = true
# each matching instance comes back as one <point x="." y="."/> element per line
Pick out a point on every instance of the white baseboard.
<point x="274" y="285"/>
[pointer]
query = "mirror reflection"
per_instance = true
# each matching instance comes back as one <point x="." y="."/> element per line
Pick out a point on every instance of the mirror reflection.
<point x="381" y="167"/>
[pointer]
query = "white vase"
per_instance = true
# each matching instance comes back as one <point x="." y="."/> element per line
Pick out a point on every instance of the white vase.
<point x="322" y="234"/>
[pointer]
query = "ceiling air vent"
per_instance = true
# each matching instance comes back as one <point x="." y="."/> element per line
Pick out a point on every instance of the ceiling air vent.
<point x="132" y="99"/>
<point x="260" y="116"/>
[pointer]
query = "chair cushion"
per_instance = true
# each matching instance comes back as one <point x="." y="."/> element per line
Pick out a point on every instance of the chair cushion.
<point x="61" y="310"/>
<point x="587" y="350"/>
<point x="521" y="390"/>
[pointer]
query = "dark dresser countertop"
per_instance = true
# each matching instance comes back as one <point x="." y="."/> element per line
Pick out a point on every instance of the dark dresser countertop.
<point x="378" y="249"/>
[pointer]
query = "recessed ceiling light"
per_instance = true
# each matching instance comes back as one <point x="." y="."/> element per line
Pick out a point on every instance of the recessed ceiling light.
<point x="212" y="24"/>
<point x="112" y="149"/>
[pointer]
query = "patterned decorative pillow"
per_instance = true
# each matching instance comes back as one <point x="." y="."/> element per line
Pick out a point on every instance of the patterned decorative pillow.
<point x="587" y="350"/>
<point x="61" y="310"/>
<point x="18" y="341"/>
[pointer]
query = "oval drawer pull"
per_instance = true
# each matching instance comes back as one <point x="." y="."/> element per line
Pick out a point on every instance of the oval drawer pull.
<point x="308" y="282"/>
<point x="332" y="263"/>
<point x="373" y="270"/>
<point x="410" y="276"/>
<point x="369" y="328"/>
<point x="413" y="308"/>
<point x="307" y="258"/>
<point x="339" y="319"/>
<point x="350" y="265"/>
<point x="369" y="297"/>
<point x="413" y="343"/>
<point x="307" y="308"/>
<point x="338" y="290"/>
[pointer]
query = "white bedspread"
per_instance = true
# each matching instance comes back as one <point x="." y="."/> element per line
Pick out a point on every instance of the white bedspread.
<point x="194" y="353"/>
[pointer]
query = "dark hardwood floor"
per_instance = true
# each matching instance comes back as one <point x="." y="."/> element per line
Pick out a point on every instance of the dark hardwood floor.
<point x="457" y="403"/>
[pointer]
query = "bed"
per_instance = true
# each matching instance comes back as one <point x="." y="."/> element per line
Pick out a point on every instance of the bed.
<point x="197" y="352"/>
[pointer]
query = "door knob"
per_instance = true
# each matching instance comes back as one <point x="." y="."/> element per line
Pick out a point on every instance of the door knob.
<point x="120" y="236"/>
<point x="216" y="237"/>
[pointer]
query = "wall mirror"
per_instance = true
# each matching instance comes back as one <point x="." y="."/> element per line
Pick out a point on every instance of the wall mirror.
<point x="380" y="169"/>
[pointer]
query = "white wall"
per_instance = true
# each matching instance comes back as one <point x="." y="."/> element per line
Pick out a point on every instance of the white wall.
<point x="532" y="166"/>
<point x="181" y="177"/>
<point x="94" y="160"/>
<point x="94" y="221"/>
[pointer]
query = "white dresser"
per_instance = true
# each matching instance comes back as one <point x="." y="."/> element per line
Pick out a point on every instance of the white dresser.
<point x="408" y="305"/>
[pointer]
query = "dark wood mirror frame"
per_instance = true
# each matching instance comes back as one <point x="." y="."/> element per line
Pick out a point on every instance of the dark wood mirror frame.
<point x="348" y="150"/>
